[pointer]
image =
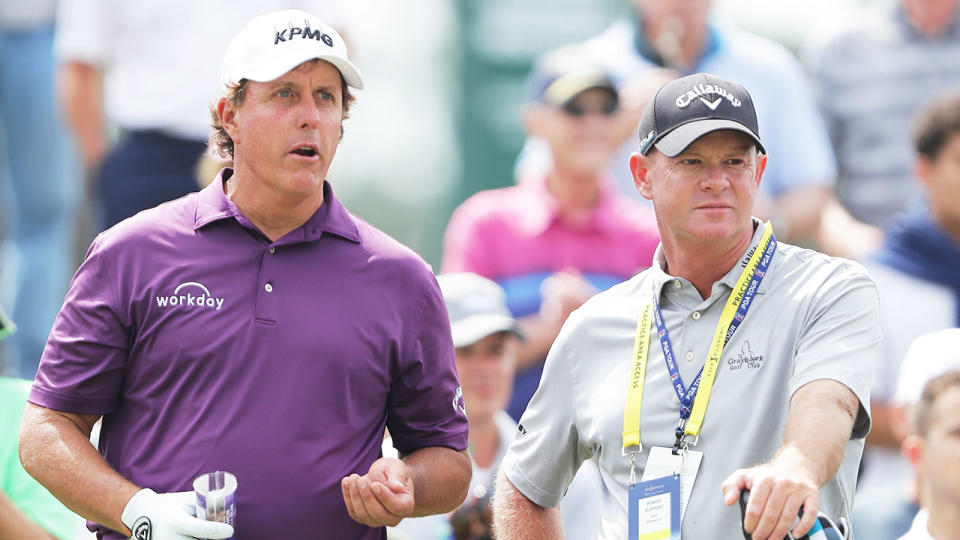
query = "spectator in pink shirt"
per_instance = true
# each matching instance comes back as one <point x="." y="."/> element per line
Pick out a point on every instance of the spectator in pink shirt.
<point x="555" y="240"/>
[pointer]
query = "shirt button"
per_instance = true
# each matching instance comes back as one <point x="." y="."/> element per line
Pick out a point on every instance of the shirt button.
<point x="689" y="356"/>
<point x="273" y="249"/>
<point x="696" y="315"/>
<point x="268" y="287"/>
<point x="677" y="284"/>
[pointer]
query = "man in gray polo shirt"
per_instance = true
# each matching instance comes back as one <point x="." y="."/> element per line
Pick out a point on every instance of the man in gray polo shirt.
<point x="763" y="345"/>
<point x="255" y="327"/>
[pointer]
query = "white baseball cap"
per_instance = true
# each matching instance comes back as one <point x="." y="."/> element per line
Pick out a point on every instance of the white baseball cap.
<point x="929" y="356"/>
<point x="477" y="308"/>
<point x="273" y="44"/>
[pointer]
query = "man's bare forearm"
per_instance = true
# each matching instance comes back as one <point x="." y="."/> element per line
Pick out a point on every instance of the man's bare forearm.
<point x="15" y="525"/>
<point x="55" y="449"/>
<point x="515" y="517"/>
<point x="819" y="425"/>
<point x="441" y="477"/>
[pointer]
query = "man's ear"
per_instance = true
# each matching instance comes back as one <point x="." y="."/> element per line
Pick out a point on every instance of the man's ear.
<point x="921" y="169"/>
<point x="228" y="112"/>
<point x="761" y="166"/>
<point x="912" y="449"/>
<point x="639" y="168"/>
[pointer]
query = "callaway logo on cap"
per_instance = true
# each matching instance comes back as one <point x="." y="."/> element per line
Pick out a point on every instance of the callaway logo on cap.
<point x="273" y="44"/>
<point x="685" y="109"/>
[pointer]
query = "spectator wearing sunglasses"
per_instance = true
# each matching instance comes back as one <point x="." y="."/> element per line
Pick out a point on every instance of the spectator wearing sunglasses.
<point x="557" y="238"/>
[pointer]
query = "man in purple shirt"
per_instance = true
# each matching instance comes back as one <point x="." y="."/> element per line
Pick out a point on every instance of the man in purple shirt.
<point x="254" y="327"/>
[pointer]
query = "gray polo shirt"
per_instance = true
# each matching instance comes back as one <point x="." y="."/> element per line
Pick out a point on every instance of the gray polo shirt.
<point x="814" y="317"/>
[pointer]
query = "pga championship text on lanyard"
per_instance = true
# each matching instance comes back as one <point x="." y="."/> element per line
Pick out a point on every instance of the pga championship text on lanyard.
<point x="657" y="502"/>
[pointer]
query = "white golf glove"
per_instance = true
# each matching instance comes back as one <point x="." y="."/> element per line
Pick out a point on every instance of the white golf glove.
<point x="169" y="516"/>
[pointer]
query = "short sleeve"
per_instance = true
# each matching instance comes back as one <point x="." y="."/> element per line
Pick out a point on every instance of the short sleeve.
<point x="426" y="404"/>
<point x="464" y="241"/>
<point x="546" y="453"/>
<point x="81" y="32"/>
<point x="841" y="337"/>
<point x="82" y="367"/>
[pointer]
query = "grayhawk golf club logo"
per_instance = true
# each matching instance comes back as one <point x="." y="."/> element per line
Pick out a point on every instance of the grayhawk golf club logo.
<point x="746" y="359"/>
<point x="142" y="528"/>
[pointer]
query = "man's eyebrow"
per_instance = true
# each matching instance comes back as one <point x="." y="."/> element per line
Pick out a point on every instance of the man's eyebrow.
<point x="279" y="83"/>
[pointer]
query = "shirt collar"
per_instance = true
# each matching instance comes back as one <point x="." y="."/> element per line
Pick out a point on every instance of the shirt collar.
<point x="538" y="217"/>
<point x="728" y="281"/>
<point x="918" y="527"/>
<point x="214" y="205"/>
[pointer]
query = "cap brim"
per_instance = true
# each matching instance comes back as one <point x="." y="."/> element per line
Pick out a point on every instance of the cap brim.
<point x="274" y="69"/>
<point x="472" y="329"/>
<point x="566" y="88"/>
<point x="676" y="141"/>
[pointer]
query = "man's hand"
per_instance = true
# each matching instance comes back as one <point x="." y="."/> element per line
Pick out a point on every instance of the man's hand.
<point x="778" y="490"/>
<point x="169" y="516"/>
<point x="382" y="497"/>
<point x="563" y="292"/>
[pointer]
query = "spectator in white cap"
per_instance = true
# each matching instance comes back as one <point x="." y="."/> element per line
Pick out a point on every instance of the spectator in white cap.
<point x="255" y="327"/>
<point x="486" y="338"/>
<point x="931" y="397"/>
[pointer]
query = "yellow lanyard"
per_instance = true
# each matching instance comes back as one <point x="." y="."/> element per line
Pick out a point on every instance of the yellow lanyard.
<point x="641" y="346"/>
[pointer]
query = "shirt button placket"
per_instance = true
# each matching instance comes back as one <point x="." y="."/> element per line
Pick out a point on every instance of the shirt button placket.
<point x="268" y="299"/>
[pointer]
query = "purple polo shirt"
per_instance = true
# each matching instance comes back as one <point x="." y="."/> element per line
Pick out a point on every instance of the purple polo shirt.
<point x="206" y="346"/>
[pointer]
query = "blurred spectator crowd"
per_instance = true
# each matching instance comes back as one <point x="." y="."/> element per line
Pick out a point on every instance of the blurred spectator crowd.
<point x="104" y="112"/>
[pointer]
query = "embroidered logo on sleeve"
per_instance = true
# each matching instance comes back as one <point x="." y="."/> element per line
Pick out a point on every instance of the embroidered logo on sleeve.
<point x="190" y="295"/>
<point x="458" y="405"/>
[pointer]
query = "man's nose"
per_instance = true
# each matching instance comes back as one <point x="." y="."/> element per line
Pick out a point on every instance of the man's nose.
<point x="308" y="114"/>
<point x="715" y="177"/>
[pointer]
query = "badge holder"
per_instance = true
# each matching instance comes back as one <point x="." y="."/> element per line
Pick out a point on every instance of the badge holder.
<point x="654" y="507"/>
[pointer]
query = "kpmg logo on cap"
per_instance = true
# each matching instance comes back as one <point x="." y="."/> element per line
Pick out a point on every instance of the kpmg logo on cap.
<point x="701" y="90"/>
<point x="304" y="33"/>
<point x="183" y="296"/>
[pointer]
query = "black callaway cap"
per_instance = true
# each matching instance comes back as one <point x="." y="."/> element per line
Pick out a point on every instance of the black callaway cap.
<point x="685" y="109"/>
